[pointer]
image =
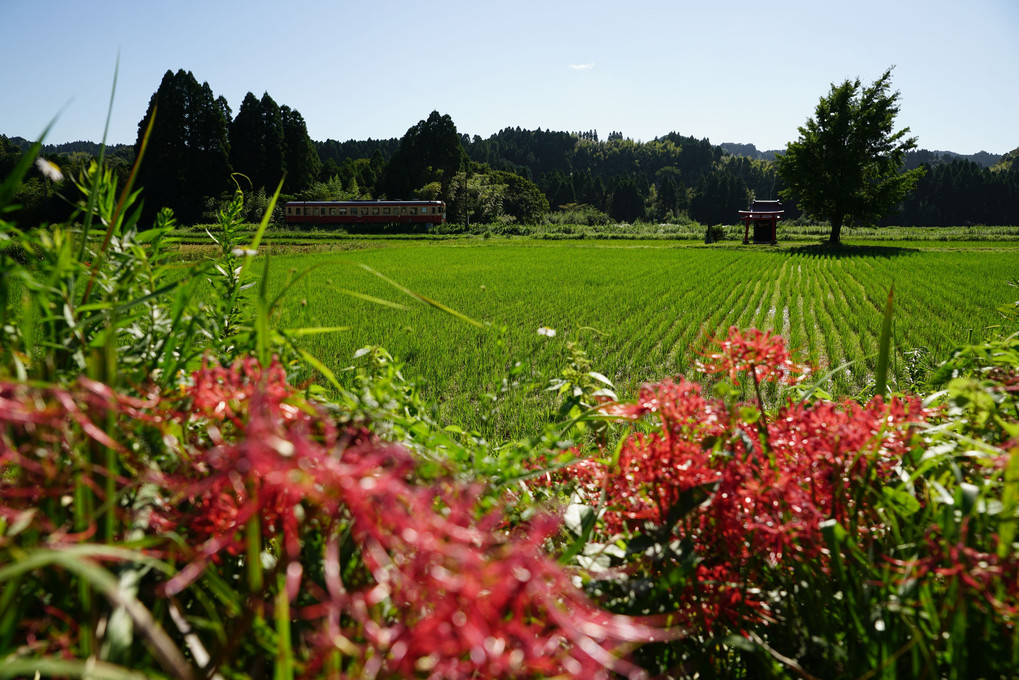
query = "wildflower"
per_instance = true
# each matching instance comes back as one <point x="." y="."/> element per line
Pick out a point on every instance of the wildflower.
<point x="745" y="506"/>
<point x="474" y="602"/>
<point x="546" y="331"/>
<point x="244" y="252"/>
<point x="49" y="169"/>
<point x="986" y="580"/>
<point x="443" y="589"/>
<point x="763" y="353"/>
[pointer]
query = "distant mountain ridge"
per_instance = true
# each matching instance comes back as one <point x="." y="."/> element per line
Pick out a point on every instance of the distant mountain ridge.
<point x="913" y="158"/>
<point x="91" y="148"/>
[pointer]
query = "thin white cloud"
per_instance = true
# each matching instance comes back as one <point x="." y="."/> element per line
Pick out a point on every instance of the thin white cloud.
<point x="582" y="67"/>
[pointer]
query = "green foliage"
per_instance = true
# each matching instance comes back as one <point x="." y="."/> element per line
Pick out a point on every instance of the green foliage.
<point x="256" y="204"/>
<point x="715" y="232"/>
<point x="522" y="200"/>
<point x="579" y="214"/>
<point x="627" y="201"/>
<point x="9" y="156"/>
<point x="960" y="192"/>
<point x="475" y="197"/>
<point x="332" y="189"/>
<point x="846" y="165"/>
<point x="718" y="198"/>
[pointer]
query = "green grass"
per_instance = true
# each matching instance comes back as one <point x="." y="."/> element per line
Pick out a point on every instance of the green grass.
<point x="640" y="309"/>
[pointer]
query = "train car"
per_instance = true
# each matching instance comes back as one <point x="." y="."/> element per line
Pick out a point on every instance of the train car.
<point x="427" y="213"/>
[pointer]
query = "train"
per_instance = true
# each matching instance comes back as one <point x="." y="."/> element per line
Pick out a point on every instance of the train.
<point x="426" y="213"/>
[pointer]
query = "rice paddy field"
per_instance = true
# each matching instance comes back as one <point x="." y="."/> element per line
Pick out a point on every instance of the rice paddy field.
<point x="641" y="310"/>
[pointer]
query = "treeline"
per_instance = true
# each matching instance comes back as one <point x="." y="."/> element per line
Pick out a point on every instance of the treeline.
<point x="913" y="159"/>
<point x="199" y="151"/>
<point x="672" y="178"/>
<point x="960" y="192"/>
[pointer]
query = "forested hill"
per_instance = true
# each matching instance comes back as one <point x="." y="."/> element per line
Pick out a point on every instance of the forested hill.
<point x="90" y="148"/>
<point x="914" y="159"/>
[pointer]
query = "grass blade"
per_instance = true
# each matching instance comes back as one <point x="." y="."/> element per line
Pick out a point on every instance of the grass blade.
<point x="71" y="668"/>
<point x="372" y="299"/>
<point x="320" y="367"/>
<point x="314" y="330"/>
<point x="884" y="347"/>
<point x="422" y="298"/>
<point x="79" y="563"/>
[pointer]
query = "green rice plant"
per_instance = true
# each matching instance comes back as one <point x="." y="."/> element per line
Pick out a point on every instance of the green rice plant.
<point x="651" y="318"/>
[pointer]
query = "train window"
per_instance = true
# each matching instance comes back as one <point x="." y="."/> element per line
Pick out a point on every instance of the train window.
<point x="385" y="211"/>
<point x="343" y="211"/>
<point x="413" y="211"/>
<point x="307" y="211"/>
<point x="364" y="211"/>
<point x="403" y="210"/>
<point x="375" y="211"/>
<point x="332" y="211"/>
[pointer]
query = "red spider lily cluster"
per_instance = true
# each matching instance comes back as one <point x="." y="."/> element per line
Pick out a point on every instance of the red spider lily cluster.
<point x="767" y="494"/>
<point x="387" y="569"/>
<point x="442" y="591"/>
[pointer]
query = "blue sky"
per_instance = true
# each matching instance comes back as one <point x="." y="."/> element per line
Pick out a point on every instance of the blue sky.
<point x="726" y="70"/>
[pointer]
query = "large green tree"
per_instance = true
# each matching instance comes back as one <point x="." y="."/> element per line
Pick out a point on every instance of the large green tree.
<point x="522" y="199"/>
<point x="846" y="166"/>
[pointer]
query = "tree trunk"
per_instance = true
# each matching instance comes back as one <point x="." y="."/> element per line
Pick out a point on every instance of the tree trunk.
<point x="834" y="238"/>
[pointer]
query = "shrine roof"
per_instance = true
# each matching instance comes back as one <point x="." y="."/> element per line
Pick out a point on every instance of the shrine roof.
<point x="768" y="208"/>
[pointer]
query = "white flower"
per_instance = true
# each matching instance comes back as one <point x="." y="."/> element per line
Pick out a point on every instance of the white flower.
<point x="546" y="331"/>
<point x="49" y="169"/>
<point x="244" y="252"/>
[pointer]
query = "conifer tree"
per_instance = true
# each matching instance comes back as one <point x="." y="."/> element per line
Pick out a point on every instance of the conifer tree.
<point x="257" y="144"/>
<point x="274" y="163"/>
<point x="187" y="158"/>
<point x="302" y="163"/>
<point x="247" y="146"/>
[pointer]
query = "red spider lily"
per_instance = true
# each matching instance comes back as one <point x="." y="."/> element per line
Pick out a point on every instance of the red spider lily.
<point x="450" y="594"/>
<point x="769" y="500"/>
<point x="985" y="579"/>
<point x="279" y="458"/>
<point x="472" y="601"/>
<point x="220" y="393"/>
<point x="45" y="433"/>
<point x="763" y="354"/>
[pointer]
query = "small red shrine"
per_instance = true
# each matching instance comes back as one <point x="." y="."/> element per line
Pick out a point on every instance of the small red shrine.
<point x="764" y="216"/>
